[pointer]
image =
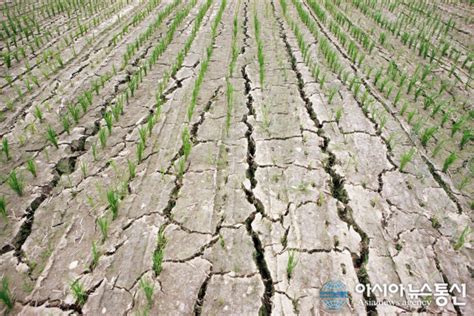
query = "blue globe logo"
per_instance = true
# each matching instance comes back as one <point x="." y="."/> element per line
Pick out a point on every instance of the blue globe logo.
<point x="334" y="295"/>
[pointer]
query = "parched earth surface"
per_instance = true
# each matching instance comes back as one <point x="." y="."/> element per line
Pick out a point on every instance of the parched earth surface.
<point x="237" y="166"/>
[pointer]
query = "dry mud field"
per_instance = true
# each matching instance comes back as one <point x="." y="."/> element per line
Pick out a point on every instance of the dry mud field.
<point x="231" y="157"/>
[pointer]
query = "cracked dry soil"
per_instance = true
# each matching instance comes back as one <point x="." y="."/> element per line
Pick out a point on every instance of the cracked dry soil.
<point x="206" y="170"/>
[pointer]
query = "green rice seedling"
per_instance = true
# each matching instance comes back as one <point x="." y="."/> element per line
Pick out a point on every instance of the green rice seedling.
<point x="332" y="93"/>
<point x="6" y="148"/>
<point x="457" y="125"/>
<point x="181" y="167"/>
<point x="10" y="105"/>
<point x="437" y="107"/>
<point x="382" y="38"/>
<point x="338" y="115"/>
<point x="382" y="122"/>
<point x="5" y="294"/>
<point x="74" y="112"/>
<point x="35" y="80"/>
<point x="31" y="166"/>
<point x="435" y="222"/>
<point x="446" y="116"/>
<point x="411" y="84"/>
<point x="116" y="112"/>
<point x="185" y="137"/>
<point x="377" y="77"/>
<point x="132" y="168"/>
<point x="16" y="183"/>
<point x="94" y="151"/>
<point x="418" y="92"/>
<point x="84" y="169"/>
<point x="142" y="134"/>
<point x="290" y="267"/>
<point x="397" y="98"/>
<point x="140" y="150"/>
<point x="406" y="158"/>
<point x="449" y="161"/>
<point x="428" y="134"/>
<point x="78" y="292"/>
<point x="113" y="199"/>
<point x="59" y="60"/>
<point x="28" y="85"/>
<point x="66" y="124"/>
<point x="103" y="224"/>
<point x="467" y="136"/>
<point x="402" y="80"/>
<point x="438" y="148"/>
<point x="84" y="104"/>
<point x="108" y="121"/>
<point x="158" y="253"/>
<point x="103" y="137"/>
<point x="52" y="137"/>
<point x="322" y="81"/>
<point x="95" y="255"/>
<point x="462" y="238"/>
<point x="411" y="115"/>
<point x="417" y="126"/>
<point x="38" y="113"/>
<point x="383" y="84"/>
<point x="356" y="89"/>
<point x="3" y="207"/>
<point x="150" y="123"/>
<point x="7" y="59"/>
<point x="148" y="289"/>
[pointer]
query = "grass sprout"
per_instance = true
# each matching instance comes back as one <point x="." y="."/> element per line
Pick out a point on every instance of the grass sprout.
<point x="78" y="292"/>
<point x="113" y="199"/>
<point x="406" y="158"/>
<point x="148" y="289"/>
<point x="6" y="295"/>
<point x="16" y="183"/>
<point x="290" y="267"/>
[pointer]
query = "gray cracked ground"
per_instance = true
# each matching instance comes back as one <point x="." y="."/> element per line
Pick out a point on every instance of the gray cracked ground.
<point x="271" y="175"/>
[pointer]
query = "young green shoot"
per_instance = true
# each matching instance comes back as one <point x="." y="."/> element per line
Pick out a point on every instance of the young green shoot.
<point x="185" y="137"/>
<point x="338" y="115"/>
<point x="406" y="158"/>
<point x="31" y="167"/>
<point x="3" y="207"/>
<point x="103" y="224"/>
<point x="140" y="150"/>
<point x="158" y="253"/>
<point x="181" y="167"/>
<point x="16" y="183"/>
<point x="290" y="267"/>
<point x="6" y="148"/>
<point x="38" y="113"/>
<point x="142" y="131"/>
<point x="462" y="238"/>
<point x="449" y="161"/>
<point x="95" y="255"/>
<point x="5" y="294"/>
<point x="428" y="134"/>
<point x="113" y="199"/>
<point x="108" y="118"/>
<point x="103" y="137"/>
<point x="148" y="289"/>
<point x="78" y="292"/>
<point x="66" y="124"/>
<point x="467" y="136"/>
<point x="52" y="137"/>
<point x="132" y="168"/>
<point x="332" y="93"/>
